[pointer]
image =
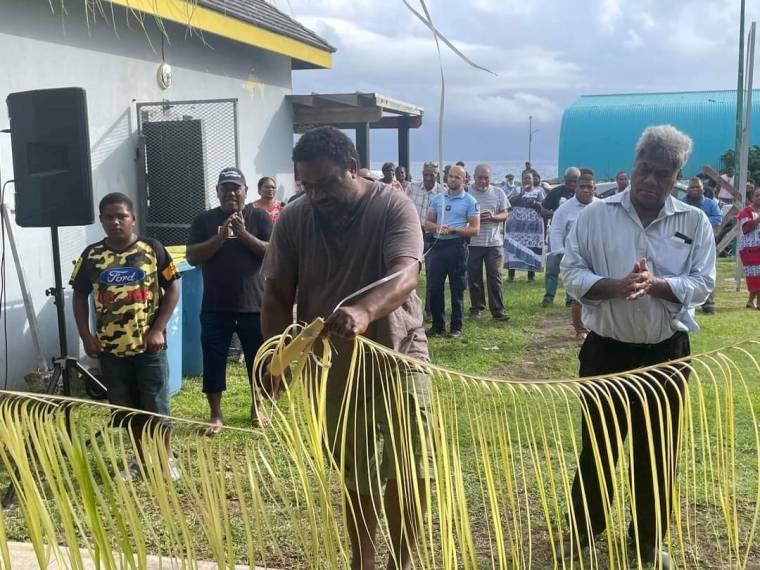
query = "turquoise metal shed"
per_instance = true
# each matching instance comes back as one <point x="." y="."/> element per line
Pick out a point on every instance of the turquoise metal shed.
<point x="600" y="131"/>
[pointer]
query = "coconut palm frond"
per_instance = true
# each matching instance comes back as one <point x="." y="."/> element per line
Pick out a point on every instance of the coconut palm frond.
<point x="486" y="466"/>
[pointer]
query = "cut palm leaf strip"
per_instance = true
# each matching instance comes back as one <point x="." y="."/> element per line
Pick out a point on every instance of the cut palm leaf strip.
<point x="489" y="485"/>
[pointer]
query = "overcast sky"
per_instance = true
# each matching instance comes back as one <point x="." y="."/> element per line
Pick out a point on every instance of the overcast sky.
<point x="546" y="53"/>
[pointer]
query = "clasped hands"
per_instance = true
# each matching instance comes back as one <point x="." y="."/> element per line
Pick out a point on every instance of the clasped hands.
<point x="235" y="223"/>
<point x="637" y="283"/>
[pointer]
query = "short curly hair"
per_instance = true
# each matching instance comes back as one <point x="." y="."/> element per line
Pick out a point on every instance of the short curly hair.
<point x="264" y="179"/>
<point x="116" y="198"/>
<point x="325" y="142"/>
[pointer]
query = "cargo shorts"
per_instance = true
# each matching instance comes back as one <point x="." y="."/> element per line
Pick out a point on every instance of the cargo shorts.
<point x="381" y="431"/>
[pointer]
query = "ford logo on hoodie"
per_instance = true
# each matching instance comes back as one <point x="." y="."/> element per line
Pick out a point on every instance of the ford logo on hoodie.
<point x="122" y="276"/>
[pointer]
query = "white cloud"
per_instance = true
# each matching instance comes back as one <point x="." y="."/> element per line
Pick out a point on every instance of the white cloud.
<point x="407" y="67"/>
<point x="610" y="11"/>
<point x="546" y="53"/>
<point x="500" y="110"/>
<point x="633" y="40"/>
<point x="510" y="8"/>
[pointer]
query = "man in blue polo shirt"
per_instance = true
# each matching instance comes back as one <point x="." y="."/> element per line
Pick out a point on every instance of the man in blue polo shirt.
<point x="695" y="196"/>
<point x="453" y="218"/>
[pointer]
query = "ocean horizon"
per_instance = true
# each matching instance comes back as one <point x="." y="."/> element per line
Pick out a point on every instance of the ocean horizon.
<point x="499" y="168"/>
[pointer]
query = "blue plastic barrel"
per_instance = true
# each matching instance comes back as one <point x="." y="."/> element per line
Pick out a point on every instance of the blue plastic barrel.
<point x="174" y="348"/>
<point x="192" y="295"/>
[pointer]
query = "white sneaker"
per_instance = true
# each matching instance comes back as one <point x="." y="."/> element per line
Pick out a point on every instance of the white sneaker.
<point x="174" y="472"/>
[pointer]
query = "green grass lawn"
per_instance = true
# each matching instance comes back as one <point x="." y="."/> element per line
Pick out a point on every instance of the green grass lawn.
<point x="536" y="343"/>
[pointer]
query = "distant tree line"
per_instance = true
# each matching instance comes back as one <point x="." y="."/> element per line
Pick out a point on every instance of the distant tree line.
<point x="728" y="158"/>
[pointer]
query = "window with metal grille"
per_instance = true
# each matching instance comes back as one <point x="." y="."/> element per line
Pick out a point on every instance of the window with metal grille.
<point x="184" y="146"/>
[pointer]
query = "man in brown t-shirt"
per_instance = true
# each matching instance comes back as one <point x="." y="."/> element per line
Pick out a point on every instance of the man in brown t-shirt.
<point x="345" y="234"/>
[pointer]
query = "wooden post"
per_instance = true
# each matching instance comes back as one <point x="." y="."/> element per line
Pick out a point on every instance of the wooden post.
<point x="731" y="214"/>
<point x="362" y="144"/>
<point x="403" y="142"/>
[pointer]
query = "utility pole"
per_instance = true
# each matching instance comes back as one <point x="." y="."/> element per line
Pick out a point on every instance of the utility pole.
<point x="743" y="157"/>
<point x="739" y="94"/>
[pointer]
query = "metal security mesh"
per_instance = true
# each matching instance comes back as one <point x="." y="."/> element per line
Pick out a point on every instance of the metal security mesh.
<point x="185" y="145"/>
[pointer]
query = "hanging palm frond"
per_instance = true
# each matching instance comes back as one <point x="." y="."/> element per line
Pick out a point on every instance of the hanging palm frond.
<point x="486" y="466"/>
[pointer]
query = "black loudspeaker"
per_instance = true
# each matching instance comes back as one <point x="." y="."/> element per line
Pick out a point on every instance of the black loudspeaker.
<point x="51" y="157"/>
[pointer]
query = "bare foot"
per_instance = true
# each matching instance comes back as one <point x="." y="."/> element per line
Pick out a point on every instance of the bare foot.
<point x="215" y="428"/>
<point x="258" y="418"/>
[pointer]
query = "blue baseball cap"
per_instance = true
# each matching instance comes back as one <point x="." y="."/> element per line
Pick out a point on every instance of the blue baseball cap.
<point x="232" y="175"/>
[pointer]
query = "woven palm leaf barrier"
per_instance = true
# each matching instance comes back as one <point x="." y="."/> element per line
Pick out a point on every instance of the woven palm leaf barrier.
<point x="488" y="487"/>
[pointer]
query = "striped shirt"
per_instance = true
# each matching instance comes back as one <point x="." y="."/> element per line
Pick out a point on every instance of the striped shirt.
<point x="491" y="199"/>
<point x="606" y="241"/>
<point x="421" y="197"/>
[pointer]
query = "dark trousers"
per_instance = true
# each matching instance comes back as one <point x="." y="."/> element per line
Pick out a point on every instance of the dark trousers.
<point x="448" y="259"/>
<point x="492" y="257"/>
<point x="216" y="334"/>
<point x="604" y="407"/>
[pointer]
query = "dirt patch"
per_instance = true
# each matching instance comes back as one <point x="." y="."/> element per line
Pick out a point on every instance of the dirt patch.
<point x="547" y="349"/>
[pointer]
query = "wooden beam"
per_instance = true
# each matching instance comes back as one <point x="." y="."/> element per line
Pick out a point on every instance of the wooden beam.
<point x="347" y="100"/>
<point x="384" y="123"/>
<point x="300" y="100"/>
<point x="394" y="105"/>
<point x="727" y="239"/>
<point x="715" y="177"/>
<point x="403" y="142"/>
<point x="413" y="122"/>
<point x="317" y="116"/>
<point x="730" y="215"/>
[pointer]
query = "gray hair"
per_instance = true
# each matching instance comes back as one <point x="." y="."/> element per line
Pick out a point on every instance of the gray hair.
<point x="572" y="171"/>
<point x="483" y="167"/>
<point x="667" y="141"/>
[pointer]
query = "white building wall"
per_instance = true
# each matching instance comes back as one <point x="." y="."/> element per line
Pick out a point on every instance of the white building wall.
<point x="116" y="64"/>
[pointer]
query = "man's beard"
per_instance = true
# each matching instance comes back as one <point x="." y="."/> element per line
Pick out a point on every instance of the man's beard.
<point x="335" y="219"/>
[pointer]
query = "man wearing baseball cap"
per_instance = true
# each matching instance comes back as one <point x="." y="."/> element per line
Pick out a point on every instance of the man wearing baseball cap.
<point x="229" y="243"/>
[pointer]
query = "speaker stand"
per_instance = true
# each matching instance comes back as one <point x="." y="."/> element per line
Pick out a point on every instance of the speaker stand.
<point x="65" y="367"/>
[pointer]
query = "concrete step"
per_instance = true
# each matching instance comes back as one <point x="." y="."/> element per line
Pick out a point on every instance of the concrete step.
<point x="23" y="558"/>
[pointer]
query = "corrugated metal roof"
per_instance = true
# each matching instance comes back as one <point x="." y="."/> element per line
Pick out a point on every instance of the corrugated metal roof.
<point x="600" y="131"/>
<point x="263" y="14"/>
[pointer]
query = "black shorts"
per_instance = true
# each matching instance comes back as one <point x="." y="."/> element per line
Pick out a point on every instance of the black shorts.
<point x="140" y="382"/>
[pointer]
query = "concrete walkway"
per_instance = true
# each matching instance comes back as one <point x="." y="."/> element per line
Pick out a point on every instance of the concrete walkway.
<point x="23" y="558"/>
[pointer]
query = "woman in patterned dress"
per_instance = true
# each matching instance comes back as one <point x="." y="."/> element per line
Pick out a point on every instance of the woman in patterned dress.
<point x="267" y="190"/>
<point x="524" y="231"/>
<point x="749" y="248"/>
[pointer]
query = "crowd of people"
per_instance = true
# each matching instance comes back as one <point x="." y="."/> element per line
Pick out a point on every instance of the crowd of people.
<point x="483" y="226"/>
<point x="635" y="267"/>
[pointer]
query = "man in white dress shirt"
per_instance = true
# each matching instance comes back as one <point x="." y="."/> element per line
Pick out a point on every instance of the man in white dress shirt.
<point x="562" y="222"/>
<point x="639" y="262"/>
